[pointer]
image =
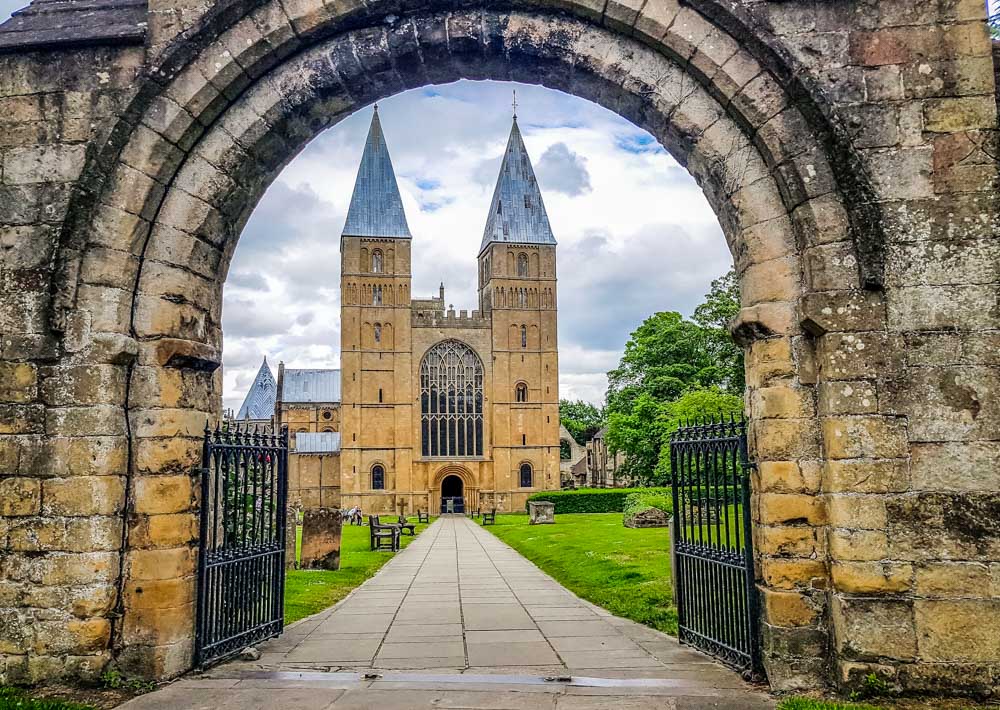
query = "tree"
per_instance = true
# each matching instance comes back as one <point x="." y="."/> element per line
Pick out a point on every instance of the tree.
<point x="643" y="433"/>
<point x="581" y="419"/>
<point x="665" y="356"/>
<point x="722" y="304"/>
<point x="674" y="369"/>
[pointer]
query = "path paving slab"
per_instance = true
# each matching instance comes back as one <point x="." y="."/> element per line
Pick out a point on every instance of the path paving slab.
<point x="460" y="620"/>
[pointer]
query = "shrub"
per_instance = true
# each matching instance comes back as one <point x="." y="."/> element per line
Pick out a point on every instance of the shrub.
<point x="641" y="501"/>
<point x="593" y="500"/>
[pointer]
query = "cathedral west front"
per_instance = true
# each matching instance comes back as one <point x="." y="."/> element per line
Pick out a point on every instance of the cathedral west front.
<point x="432" y="409"/>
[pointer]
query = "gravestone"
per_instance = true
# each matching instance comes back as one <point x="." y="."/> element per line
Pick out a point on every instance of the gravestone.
<point x="321" y="539"/>
<point x="541" y="512"/>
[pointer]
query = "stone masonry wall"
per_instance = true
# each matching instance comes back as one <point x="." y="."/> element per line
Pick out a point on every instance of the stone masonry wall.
<point x="848" y="148"/>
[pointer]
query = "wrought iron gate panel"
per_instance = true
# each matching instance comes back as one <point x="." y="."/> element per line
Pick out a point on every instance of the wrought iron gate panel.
<point x="241" y="561"/>
<point x="716" y="595"/>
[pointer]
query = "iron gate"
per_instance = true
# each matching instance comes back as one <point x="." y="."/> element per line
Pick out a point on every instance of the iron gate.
<point x="716" y="594"/>
<point x="241" y="565"/>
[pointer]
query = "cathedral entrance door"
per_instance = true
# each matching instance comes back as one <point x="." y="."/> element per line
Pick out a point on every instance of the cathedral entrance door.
<point x="452" y="495"/>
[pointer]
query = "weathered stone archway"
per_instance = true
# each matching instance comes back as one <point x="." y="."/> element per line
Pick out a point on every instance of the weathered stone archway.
<point x="858" y="342"/>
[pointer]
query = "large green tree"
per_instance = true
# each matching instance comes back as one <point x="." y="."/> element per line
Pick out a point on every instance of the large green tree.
<point x="674" y="369"/>
<point x="721" y="305"/>
<point x="581" y="419"/>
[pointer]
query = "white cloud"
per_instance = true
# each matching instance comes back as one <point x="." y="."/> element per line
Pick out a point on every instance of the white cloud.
<point x="641" y="238"/>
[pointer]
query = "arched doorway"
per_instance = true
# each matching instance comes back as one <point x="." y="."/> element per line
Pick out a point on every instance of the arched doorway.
<point x="452" y="494"/>
<point x="146" y="241"/>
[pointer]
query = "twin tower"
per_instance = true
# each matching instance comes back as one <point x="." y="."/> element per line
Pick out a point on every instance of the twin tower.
<point x="442" y="410"/>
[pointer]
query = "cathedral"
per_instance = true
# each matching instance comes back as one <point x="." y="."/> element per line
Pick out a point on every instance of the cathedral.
<point x="432" y="409"/>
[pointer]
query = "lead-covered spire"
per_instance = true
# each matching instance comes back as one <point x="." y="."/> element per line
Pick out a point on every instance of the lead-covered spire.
<point x="376" y="207"/>
<point x="517" y="213"/>
<point x="260" y="399"/>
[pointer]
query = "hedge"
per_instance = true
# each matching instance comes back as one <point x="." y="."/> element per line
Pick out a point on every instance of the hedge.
<point x="640" y="501"/>
<point x="594" y="500"/>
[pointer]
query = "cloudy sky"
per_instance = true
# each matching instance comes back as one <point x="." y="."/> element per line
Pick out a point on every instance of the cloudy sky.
<point x="635" y="233"/>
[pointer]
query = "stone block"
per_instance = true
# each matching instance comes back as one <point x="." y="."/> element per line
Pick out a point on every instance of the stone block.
<point x="788" y="476"/>
<point x="153" y="595"/>
<point x="847" y="397"/>
<point x="321" y="529"/>
<point x="20" y="496"/>
<point x="541" y="512"/>
<point x="784" y="439"/>
<point x="781" y="541"/>
<point x="172" y="563"/>
<point x="866" y="476"/>
<point x="857" y="545"/>
<point x="86" y="384"/>
<point x="953" y="579"/>
<point x="872" y="577"/>
<point x="18" y="382"/>
<point x="959" y="114"/>
<point x="791" y="509"/>
<point x="85" y="495"/>
<point x="857" y="512"/>
<point x="957" y="466"/>
<point x="874" y="628"/>
<point x="780" y="573"/>
<point x="164" y="531"/>
<point x="768" y="360"/>
<point x="157" y="495"/>
<point x="865" y="437"/>
<point x="958" y="630"/>
<point x="842" y="311"/>
<point x="782" y="402"/>
<point x="788" y="608"/>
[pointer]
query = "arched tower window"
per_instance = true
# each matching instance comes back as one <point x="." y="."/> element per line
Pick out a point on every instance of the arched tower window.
<point x="526" y="476"/>
<point x="377" y="261"/>
<point x="522" y="264"/>
<point x="521" y="392"/>
<point x="524" y="336"/>
<point x="377" y="296"/>
<point x="378" y="478"/>
<point x="451" y="401"/>
<point x="378" y="332"/>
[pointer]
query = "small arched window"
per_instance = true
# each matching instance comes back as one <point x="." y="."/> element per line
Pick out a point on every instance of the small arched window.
<point x="377" y="261"/>
<point x="526" y="476"/>
<point x="378" y="478"/>
<point x="524" y="336"/>
<point x="377" y="296"/>
<point x="378" y="332"/>
<point x="522" y="264"/>
<point x="521" y="392"/>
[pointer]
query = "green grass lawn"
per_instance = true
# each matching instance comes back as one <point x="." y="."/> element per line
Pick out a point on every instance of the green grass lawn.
<point x="624" y="570"/>
<point x="310" y="591"/>
<point x="16" y="699"/>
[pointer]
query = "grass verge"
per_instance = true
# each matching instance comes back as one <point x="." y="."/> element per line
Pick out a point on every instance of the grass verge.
<point x="310" y="591"/>
<point x="624" y="570"/>
<point x="811" y="704"/>
<point x="17" y="699"/>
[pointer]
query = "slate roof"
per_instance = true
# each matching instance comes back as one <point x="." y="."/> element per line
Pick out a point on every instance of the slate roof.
<point x="601" y="433"/>
<point x="50" y="23"/>
<point x="303" y="386"/>
<point x="517" y="213"/>
<point x="324" y="442"/>
<point x="259" y="402"/>
<point x="376" y="207"/>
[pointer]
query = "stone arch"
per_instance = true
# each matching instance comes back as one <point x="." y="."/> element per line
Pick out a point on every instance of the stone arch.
<point x="145" y="256"/>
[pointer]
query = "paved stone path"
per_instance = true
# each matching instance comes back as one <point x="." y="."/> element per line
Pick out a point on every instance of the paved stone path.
<point x="461" y="620"/>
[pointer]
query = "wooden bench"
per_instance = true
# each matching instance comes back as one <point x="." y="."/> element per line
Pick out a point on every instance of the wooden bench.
<point x="490" y="518"/>
<point x="383" y="537"/>
<point x="406" y="527"/>
<point x="423" y="517"/>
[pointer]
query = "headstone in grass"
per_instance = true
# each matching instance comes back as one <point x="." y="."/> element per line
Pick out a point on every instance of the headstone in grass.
<point x="321" y="538"/>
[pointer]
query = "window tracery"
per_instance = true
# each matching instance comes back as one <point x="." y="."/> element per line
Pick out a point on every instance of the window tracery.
<point x="451" y="397"/>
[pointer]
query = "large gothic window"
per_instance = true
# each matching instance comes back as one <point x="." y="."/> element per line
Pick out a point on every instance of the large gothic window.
<point x="451" y="401"/>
